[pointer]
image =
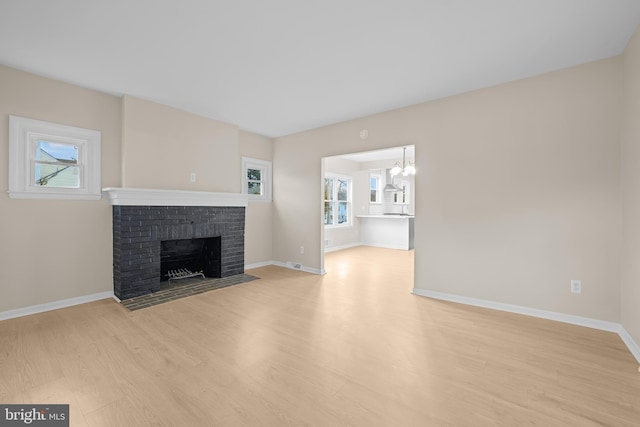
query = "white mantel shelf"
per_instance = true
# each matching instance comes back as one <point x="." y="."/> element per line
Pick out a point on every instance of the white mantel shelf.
<point x="157" y="197"/>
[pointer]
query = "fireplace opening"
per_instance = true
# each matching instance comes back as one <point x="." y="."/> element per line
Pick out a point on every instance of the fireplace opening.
<point x="190" y="255"/>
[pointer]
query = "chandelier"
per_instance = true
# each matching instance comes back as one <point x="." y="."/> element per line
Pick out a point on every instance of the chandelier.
<point x="406" y="169"/>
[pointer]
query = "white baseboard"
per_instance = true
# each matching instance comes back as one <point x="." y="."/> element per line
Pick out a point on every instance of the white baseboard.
<point x="299" y="267"/>
<point x="339" y="248"/>
<point x="289" y="264"/>
<point x="258" y="265"/>
<point x="629" y="342"/>
<point x="386" y="246"/>
<point x="40" y="308"/>
<point x="543" y="314"/>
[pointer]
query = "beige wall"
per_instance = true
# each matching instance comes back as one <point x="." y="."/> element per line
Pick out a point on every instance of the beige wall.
<point x="518" y="190"/>
<point x="52" y="250"/>
<point x="162" y="146"/>
<point x="297" y="220"/>
<point x="258" y="228"/>
<point x="631" y="190"/>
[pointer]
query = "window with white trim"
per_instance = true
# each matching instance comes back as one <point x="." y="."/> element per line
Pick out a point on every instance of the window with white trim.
<point x="256" y="179"/>
<point x="337" y="201"/>
<point x="53" y="161"/>
<point x="375" y="193"/>
<point x="401" y="197"/>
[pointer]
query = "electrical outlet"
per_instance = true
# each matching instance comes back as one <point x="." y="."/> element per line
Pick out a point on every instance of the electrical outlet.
<point x="301" y="249"/>
<point x="576" y="286"/>
<point x="193" y="177"/>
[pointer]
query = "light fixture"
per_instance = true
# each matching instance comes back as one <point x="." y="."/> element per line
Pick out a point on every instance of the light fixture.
<point x="406" y="169"/>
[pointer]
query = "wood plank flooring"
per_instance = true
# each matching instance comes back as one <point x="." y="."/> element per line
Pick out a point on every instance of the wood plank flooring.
<point x="353" y="347"/>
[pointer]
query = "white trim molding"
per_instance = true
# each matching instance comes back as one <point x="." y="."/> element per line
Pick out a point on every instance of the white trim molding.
<point x="289" y="264"/>
<point x="258" y="265"/>
<point x="24" y="137"/>
<point x="41" y="308"/>
<point x="297" y="266"/>
<point x="266" y="181"/>
<point x="158" y="197"/>
<point x="341" y="247"/>
<point x="543" y="314"/>
<point x="633" y="347"/>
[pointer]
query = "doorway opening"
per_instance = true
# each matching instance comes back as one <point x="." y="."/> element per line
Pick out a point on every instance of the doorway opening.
<point x="367" y="203"/>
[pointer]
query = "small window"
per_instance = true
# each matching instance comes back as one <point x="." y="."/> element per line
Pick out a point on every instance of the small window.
<point x="54" y="161"/>
<point x="401" y="197"/>
<point x="254" y="182"/>
<point x="337" y="201"/>
<point x="56" y="165"/>
<point x="256" y="179"/>
<point x="374" y="188"/>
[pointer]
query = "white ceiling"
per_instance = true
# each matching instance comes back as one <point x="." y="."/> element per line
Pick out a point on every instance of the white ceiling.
<point x="282" y="66"/>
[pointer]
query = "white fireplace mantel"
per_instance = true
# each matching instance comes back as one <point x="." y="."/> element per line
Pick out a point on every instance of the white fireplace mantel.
<point x="157" y="197"/>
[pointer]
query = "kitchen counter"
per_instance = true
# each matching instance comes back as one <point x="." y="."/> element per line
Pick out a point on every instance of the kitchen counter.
<point x="387" y="231"/>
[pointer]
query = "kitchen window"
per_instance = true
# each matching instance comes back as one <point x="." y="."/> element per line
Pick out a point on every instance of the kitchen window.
<point x="337" y="201"/>
<point x="401" y="197"/>
<point x="374" y="188"/>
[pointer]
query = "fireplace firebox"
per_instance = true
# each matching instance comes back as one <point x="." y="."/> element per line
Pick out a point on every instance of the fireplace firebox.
<point x="193" y="255"/>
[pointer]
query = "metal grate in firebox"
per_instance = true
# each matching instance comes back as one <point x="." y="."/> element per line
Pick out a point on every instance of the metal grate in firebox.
<point x="183" y="273"/>
<point x="184" y="288"/>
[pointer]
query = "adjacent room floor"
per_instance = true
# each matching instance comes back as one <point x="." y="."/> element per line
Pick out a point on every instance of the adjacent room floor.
<point x="353" y="347"/>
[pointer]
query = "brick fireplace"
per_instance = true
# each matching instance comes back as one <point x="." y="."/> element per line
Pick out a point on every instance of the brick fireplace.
<point x="145" y="221"/>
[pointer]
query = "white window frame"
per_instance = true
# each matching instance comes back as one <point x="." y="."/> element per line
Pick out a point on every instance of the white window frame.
<point x="378" y="177"/>
<point x="24" y="134"/>
<point x="406" y="186"/>
<point x="335" y="200"/>
<point x="266" y="182"/>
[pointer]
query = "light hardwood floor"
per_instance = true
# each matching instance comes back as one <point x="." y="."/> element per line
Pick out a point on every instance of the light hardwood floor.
<point x="353" y="347"/>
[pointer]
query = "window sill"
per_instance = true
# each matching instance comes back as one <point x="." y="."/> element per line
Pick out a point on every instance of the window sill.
<point x="53" y="195"/>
